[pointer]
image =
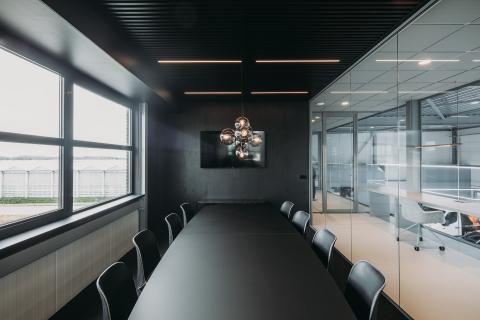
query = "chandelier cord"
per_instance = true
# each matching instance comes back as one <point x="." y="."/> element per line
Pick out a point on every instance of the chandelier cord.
<point x="242" y="75"/>
<point x="242" y="109"/>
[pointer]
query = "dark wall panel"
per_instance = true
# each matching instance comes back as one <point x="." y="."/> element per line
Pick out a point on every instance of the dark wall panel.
<point x="174" y="156"/>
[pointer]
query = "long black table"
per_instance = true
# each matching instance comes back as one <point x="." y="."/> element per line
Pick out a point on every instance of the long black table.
<point x="240" y="262"/>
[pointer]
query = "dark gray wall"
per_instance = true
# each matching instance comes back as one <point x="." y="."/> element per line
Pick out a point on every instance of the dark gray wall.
<point x="175" y="175"/>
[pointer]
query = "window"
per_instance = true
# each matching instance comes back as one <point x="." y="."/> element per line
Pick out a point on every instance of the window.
<point x="97" y="119"/>
<point x="100" y="174"/>
<point x="30" y="104"/>
<point x="37" y="145"/>
<point x="29" y="97"/>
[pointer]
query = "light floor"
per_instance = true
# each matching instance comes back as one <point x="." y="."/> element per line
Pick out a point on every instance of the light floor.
<point x="428" y="284"/>
<point x="335" y="202"/>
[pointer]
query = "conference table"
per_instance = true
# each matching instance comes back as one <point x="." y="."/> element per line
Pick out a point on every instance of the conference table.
<point x="242" y="262"/>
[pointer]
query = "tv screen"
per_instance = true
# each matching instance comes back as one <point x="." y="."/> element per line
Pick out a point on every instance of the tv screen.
<point x="214" y="154"/>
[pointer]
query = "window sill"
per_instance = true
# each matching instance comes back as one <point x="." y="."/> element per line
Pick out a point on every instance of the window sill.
<point x="19" y="242"/>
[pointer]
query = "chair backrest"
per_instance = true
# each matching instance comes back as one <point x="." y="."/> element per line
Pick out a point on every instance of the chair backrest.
<point x="174" y="225"/>
<point x="148" y="255"/>
<point x="411" y="210"/>
<point x="300" y="221"/>
<point x="310" y="233"/>
<point x="364" y="285"/>
<point x="117" y="292"/>
<point x="187" y="212"/>
<point x="322" y="244"/>
<point x="286" y="209"/>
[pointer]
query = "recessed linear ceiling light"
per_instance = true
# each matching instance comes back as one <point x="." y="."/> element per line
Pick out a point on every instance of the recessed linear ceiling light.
<point x="475" y="102"/>
<point x="298" y="61"/>
<point x="345" y="103"/>
<point x="419" y="61"/>
<point x="198" y="61"/>
<point x="422" y="92"/>
<point x="320" y="103"/>
<point x="442" y="145"/>
<point x="205" y="93"/>
<point x="277" y="92"/>
<point x="476" y="60"/>
<point x="459" y="116"/>
<point x="424" y="62"/>
<point x="357" y="92"/>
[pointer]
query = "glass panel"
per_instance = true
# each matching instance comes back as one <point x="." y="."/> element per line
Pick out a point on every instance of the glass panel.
<point x="316" y="148"/>
<point x="98" y="119"/>
<point x="99" y="175"/>
<point x="339" y="173"/>
<point x="438" y="221"/>
<point x="29" y="180"/>
<point x="418" y="153"/>
<point x="29" y="97"/>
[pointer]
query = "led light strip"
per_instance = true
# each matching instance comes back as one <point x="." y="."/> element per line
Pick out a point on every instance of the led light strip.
<point x="205" y="93"/>
<point x="298" y="61"/>
<point x="277" y="92"/>
<point x="357" y="92"/>
<point x="417" y="60"/>
<point x="199" y="61"/>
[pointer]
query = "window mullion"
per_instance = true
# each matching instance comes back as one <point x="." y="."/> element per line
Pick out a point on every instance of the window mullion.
<point x="67" y="172"/>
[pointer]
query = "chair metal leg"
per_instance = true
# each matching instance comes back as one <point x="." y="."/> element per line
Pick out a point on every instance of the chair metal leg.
<point x="419" y="232"/>
<point x="407" y="228"/>
<point x="442" y="244"/>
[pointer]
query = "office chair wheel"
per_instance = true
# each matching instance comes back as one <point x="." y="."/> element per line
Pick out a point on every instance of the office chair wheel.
<point x="421" y="238"/>
<point x="442" y="248"/>
<point x="417" y="248"/>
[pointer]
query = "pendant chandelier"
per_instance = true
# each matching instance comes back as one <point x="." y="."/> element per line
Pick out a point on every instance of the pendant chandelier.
<point x="242" y="137"/>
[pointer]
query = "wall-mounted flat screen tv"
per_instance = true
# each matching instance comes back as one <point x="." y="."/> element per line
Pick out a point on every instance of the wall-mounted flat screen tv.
<point x="214" y="154"/>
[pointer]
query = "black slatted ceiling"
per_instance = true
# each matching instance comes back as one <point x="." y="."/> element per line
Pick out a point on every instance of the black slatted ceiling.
<point x="223" y="29"/>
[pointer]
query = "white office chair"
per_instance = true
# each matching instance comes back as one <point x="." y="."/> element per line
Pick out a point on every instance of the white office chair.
<point x="412" y="211"/>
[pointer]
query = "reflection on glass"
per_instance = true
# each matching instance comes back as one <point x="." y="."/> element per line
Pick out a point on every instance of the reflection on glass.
<point x="29" y="97"/>
<point x="98" y="119"/>
<point x="99" y="175"/>
<point x="29" y="179"/>
<point x="450" y="163"/>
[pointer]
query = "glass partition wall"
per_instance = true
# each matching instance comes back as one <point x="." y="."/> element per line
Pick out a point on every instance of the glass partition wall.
<point x="396" y="161"/>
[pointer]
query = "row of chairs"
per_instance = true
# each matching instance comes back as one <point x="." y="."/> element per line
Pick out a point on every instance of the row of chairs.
<point x="118" y="291"/>
<point x="364" y="282"/>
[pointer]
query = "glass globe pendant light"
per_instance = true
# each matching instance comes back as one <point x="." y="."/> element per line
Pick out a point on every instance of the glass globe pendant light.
<point x="227" y="136"/>
<point x="242" y="137"/>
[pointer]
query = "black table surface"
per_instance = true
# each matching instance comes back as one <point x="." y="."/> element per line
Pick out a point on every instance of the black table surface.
<point x="240" y="262"/>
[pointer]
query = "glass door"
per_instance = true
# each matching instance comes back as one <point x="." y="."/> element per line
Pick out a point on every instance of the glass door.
<point x="316" y="163"/>
<point x="339" y="162"/>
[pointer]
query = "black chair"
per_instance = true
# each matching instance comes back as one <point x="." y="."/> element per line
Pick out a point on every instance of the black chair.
<point x="117" y="292"/>
<point x="286" y="209"/>
<point x="364" y="285"/>
<point x="148" y="255"/>
<point x="322" y="243"/>
<point x="175" y="225"/>
<point x="300" y="221"/>
<point x="310" y="233"/>
<point x="187" y="212"/>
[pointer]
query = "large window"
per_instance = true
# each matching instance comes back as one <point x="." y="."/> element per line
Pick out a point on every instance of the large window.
<point x="101" y="170"/>
<point x="30" y="108"/>
<point x="57" y="155"/>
